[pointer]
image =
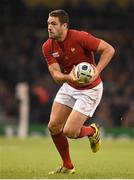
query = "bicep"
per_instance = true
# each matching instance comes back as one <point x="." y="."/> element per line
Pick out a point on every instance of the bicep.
<point x="103" y="45"/>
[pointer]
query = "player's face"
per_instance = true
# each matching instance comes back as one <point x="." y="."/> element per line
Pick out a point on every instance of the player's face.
<point x="55" y="28"/>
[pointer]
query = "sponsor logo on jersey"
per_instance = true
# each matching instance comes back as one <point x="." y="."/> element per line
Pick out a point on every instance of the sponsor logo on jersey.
<point x="55" y="54"/>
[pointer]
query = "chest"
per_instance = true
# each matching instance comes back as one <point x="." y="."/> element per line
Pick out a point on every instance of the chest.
<point x="68" y="51"/>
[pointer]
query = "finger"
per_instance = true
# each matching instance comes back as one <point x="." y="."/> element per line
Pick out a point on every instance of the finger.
<point x="74" y="73"/>
<point x="73" y="68"/>
<point x="80" y="82"/>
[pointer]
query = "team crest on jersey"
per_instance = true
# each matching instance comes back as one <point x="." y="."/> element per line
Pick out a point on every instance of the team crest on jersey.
<point x="72" y="49"/>
<point x="55" y="54"/>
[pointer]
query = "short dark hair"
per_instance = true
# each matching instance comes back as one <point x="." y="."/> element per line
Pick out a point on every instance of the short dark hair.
<point x="61" y="14"/>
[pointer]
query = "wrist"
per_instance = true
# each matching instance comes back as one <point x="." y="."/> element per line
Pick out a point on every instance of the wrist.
<point x="67" y="78"/>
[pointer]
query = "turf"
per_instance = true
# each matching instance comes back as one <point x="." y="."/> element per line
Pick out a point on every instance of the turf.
<point x="34" y="157"/>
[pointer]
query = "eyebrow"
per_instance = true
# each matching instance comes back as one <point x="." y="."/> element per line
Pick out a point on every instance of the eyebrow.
<point x="52" y="22"/>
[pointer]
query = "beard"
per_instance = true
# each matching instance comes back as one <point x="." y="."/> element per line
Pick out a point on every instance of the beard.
<point x="55" y="36"/>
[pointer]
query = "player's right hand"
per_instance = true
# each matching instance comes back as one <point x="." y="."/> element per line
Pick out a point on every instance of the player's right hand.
<point x="72" y="75"/>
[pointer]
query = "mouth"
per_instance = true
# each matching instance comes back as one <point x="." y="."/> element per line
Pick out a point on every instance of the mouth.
<point x="50" y="32"/>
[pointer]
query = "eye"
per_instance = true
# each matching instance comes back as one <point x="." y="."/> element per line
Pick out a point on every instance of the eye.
<point x="54" y="23"/>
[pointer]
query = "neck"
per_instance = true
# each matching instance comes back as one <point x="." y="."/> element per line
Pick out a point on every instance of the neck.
<point x="63" y="37"/>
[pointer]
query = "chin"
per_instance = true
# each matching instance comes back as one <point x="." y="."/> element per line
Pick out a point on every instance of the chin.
<point x="51" y="37"/>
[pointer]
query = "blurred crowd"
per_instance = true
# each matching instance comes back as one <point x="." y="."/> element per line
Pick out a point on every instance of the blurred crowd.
<point x="22" y="33"/>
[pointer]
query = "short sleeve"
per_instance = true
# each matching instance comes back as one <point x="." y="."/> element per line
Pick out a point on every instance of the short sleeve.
<point x="46" y="50"/>
<point x="89" y="41"/>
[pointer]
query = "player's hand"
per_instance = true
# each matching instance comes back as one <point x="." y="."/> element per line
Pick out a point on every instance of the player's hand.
<point x="94" y="77"/>
<point x="72" y="75"/>
<point x="74" y="78"/>
<point x="96" y="74"/>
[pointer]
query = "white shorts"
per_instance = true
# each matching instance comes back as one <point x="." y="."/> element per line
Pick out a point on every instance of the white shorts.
<point x="84" y="101"/>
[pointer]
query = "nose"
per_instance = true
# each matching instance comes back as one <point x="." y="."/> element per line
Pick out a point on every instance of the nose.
<point x="49" y="27"/>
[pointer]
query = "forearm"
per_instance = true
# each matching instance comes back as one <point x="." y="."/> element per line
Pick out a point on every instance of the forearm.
<point x="60" y="77"/>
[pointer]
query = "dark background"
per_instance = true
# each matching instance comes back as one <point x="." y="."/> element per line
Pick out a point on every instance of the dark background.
<point x="23" y="29"/>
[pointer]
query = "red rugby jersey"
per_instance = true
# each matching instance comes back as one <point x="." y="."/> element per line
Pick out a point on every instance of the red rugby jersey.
<point x="79" y="46"/>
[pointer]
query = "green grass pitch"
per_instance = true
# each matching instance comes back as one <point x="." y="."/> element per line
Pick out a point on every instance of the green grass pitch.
<point x="34" y="157"/>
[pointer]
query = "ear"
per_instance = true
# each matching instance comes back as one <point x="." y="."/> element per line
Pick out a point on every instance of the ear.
<point x="65" y="24"/>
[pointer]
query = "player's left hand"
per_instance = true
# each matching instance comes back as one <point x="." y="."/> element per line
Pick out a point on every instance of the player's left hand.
<point x="96" y="74"/>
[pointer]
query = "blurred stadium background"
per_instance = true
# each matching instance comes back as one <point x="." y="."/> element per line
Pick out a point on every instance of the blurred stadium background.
<point x="26" y="88"/>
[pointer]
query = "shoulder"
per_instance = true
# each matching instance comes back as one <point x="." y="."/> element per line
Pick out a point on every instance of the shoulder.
<point x="78" y="35"/>
<point x="47" y="44"/>
<point x="78" y="32"/>
<point x="85" y="39"/>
